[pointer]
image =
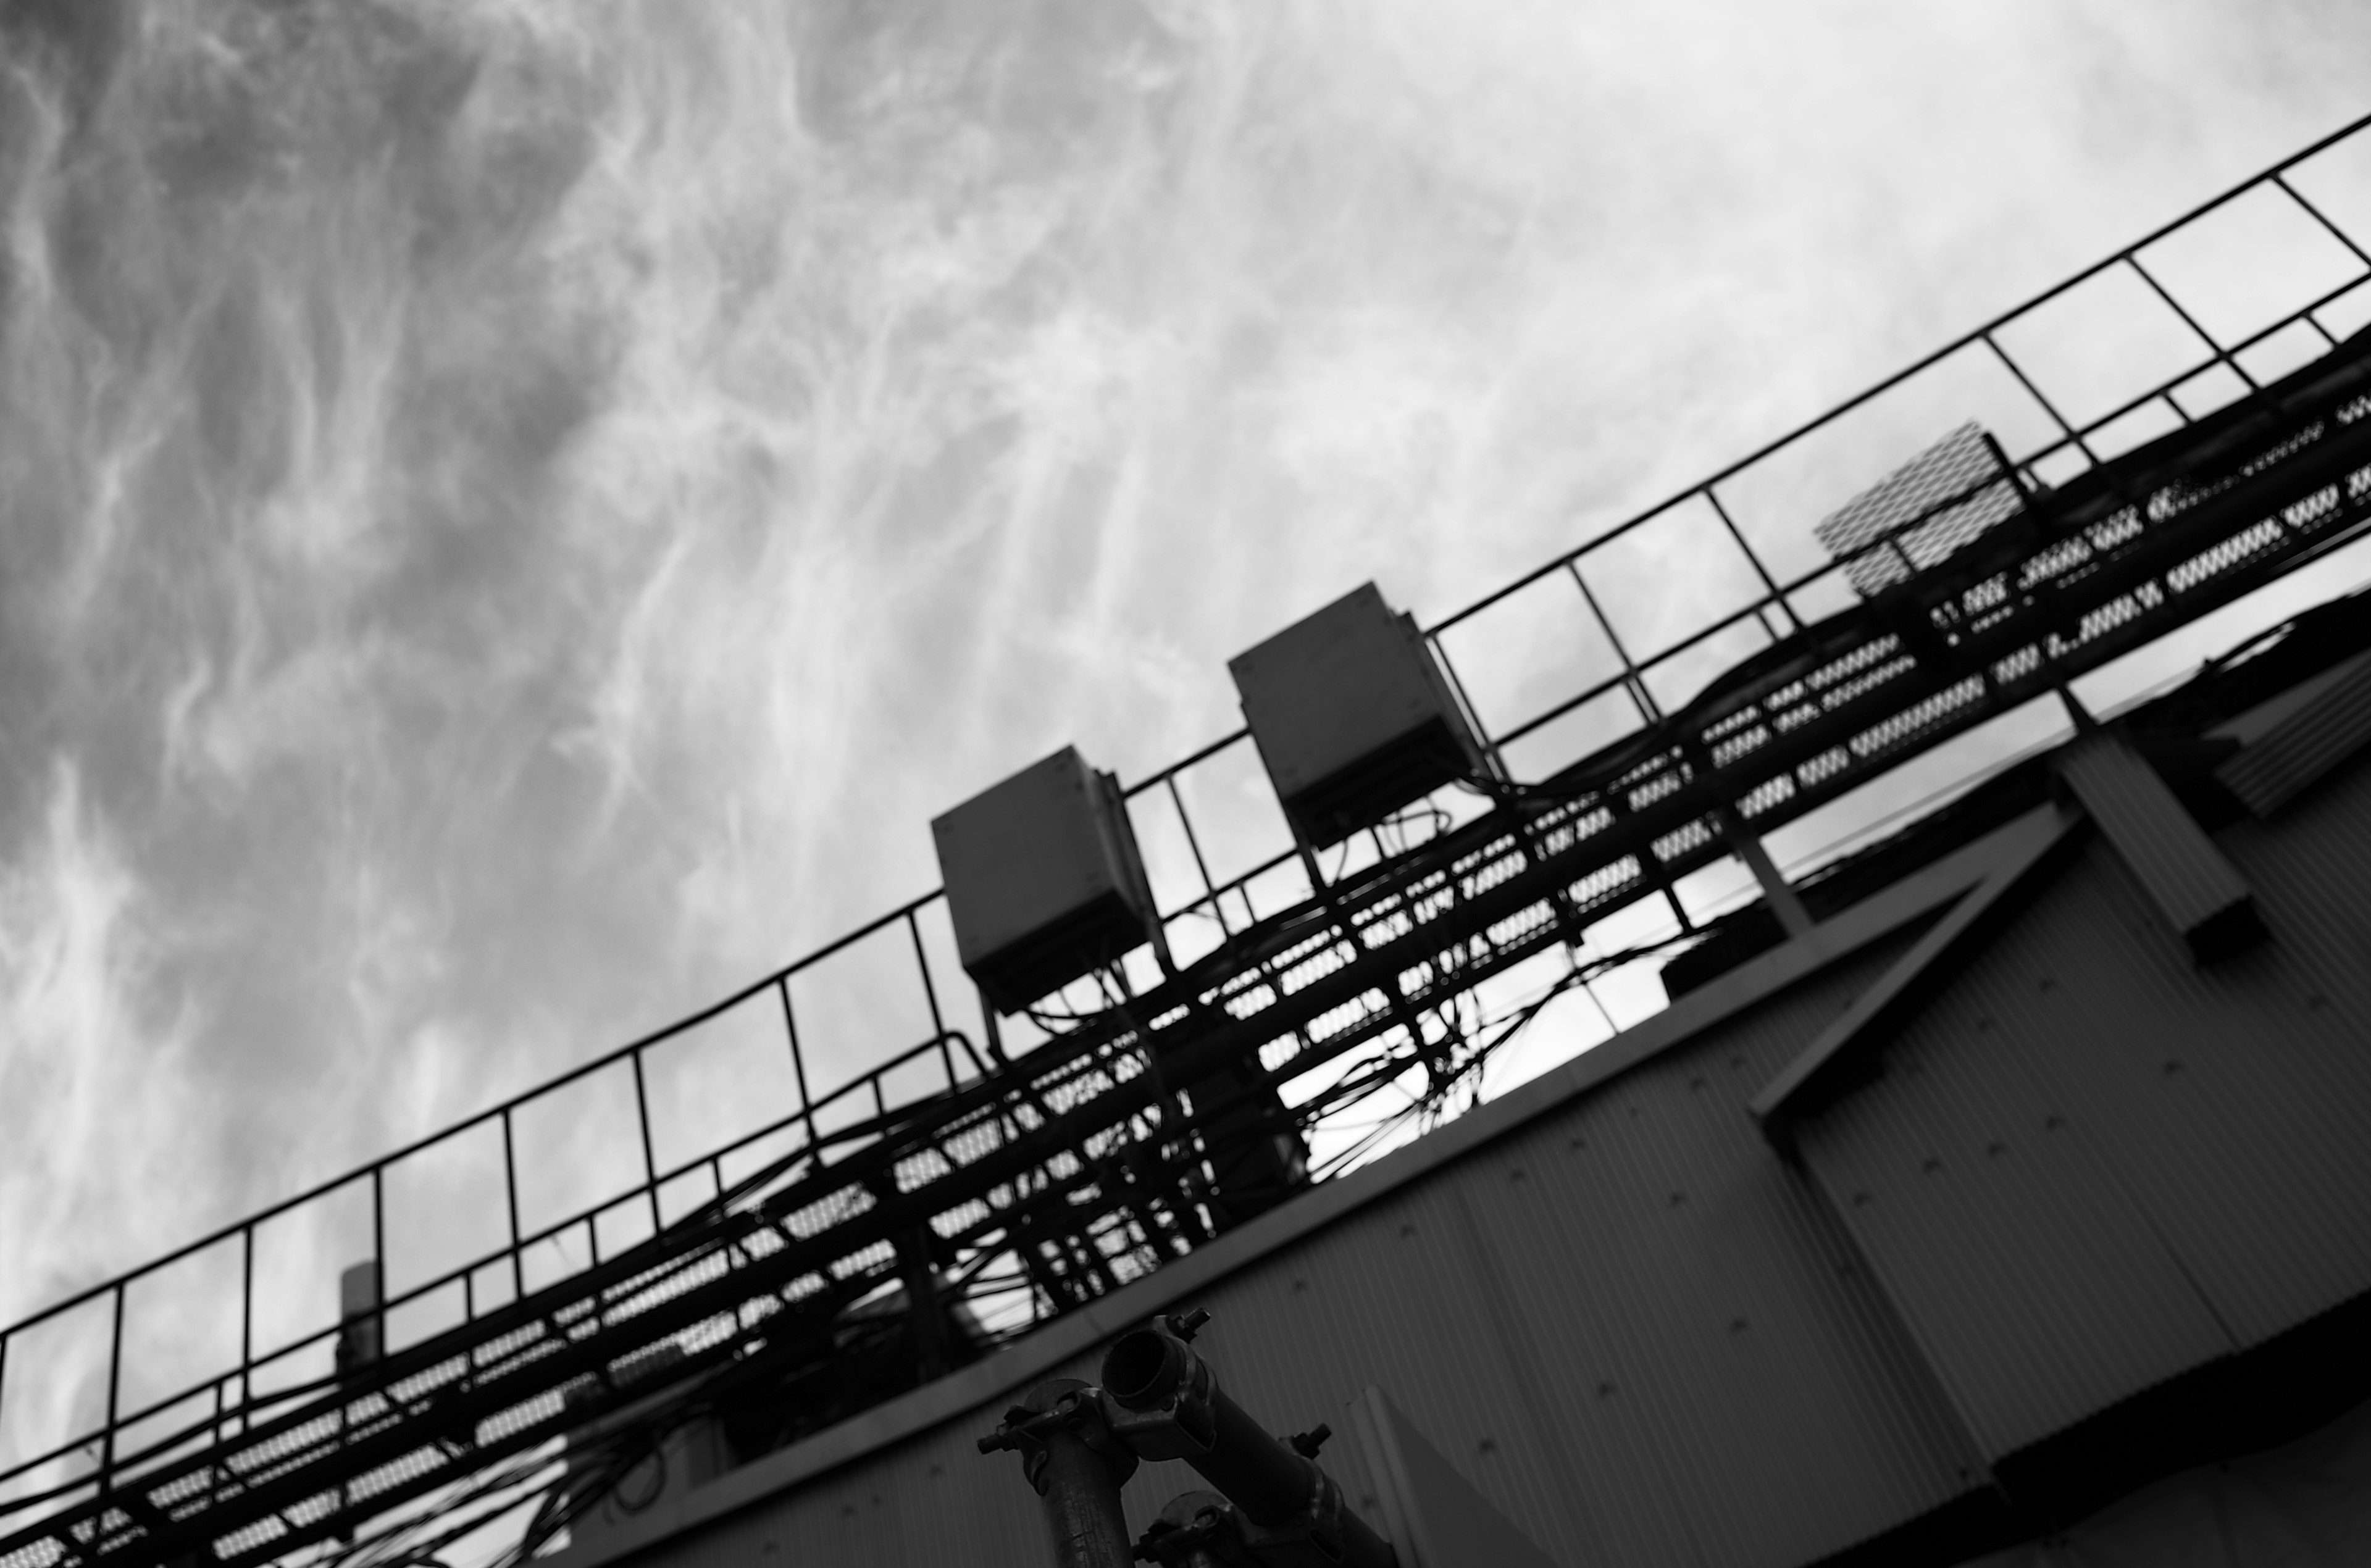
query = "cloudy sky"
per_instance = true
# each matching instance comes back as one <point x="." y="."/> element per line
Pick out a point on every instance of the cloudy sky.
<point x="517" y="512"/>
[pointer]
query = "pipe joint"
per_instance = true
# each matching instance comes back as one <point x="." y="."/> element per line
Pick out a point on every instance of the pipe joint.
<point x="1274" y="1507"/>
<point x="1162" y="1398"/>
<point x="1059" y="1407"/>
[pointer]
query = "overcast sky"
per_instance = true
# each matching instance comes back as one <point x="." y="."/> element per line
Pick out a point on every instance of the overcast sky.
<point x="517" y="513"/>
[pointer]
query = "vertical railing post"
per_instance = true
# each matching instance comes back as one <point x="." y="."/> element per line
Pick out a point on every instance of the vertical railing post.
<point x="2213" y="348"/>
<point x="642" y="1120"/>
<point x="377" y="1314"/>
<point x="114" y="1391"/>
<point x="1201" y="866"/>
<point x="1634" y="680"/>
<point x="1632" y="676"/>
<point x="930" y="996"/>
<point x="378" y="1247"/>
<point x="987" y="1026"/>
<point x="798" y="1060"/>
<point x="1457" y="685"/>
<point x="2035" y="393"/>
<point x="1712" y="497"/>
<point x="733" y="1248"/>
<point x="2336" y="233"/>
<point x="246" y="1323"/>
<point x="510" y="1196"/>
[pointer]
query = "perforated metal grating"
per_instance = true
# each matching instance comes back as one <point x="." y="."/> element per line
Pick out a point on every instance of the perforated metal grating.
<point x="1925" y="511"/>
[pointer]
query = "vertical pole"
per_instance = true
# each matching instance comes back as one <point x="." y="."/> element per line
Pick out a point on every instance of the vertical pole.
<point x="1083" y="1508"/>
<point x="1070" y="1459"/>
<point x="922" y="1307"/>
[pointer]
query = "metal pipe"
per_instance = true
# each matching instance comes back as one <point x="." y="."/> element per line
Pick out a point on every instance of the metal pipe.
<point x="1170" y="1406"/>
<point x="1070" y="1458"/>
<point x="1082" y="1507"/>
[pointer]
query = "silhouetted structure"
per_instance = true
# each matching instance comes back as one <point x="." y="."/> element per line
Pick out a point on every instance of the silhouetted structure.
<point x="2006" y="1165"/>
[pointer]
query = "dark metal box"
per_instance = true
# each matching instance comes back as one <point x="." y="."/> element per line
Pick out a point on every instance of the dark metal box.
<point x="1043" y="880"/>
<point x="1352" y="717"/>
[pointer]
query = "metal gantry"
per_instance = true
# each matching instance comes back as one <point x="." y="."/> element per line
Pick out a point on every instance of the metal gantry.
<point x="987" y="1176"/>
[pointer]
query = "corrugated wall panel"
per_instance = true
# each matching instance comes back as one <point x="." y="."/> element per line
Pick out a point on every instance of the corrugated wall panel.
<point x="1648" y="1341"/>
<point x="2233" y="1109"/>
<point x="2089" y="1166"/>
<point x="1994" y="1220"/>
<point x="2320" y="735"/>
<point x="1712" y="1278"/>
<point x="1403" y="1297"/>
<point x="1561" y="1329"/>
<point x="2313" y="867"/>
<point x="2189" y="880"/>
<point x="1553" y="1323"/>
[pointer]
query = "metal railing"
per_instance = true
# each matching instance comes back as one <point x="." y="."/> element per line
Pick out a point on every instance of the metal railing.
<point x="1645" y="710"/>
<point x="1790" y="598"/>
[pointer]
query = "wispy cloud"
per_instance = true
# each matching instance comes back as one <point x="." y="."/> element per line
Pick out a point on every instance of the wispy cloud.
<point x="516" y="513"/>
